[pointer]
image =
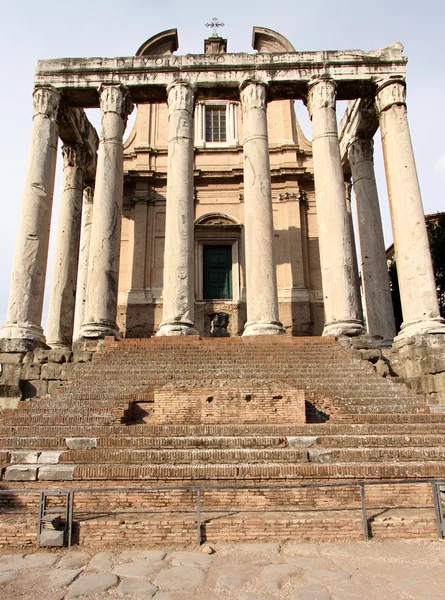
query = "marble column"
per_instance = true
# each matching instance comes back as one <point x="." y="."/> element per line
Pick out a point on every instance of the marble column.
<point x="178" y="291"/>
<point x="23" y="321"/>
<point x="103" y="267"/>
<point x="342" y="314"/>
<point x="374" y="270"/>
<point x="414" y="268"/>
<point x="261" y="277"/>
<point x="82" y="275"/>
<point x="64" y="279"/>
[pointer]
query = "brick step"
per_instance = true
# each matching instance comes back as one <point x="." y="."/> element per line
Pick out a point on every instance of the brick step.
<point x="390" y="407"/>
<point x="61" y="419"/>
<point x="419" y="417"/>
<point x="363" y="454"/>
<point x="384" y="440"/>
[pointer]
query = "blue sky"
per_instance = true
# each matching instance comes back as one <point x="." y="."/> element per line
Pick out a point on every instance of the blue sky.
<point x="31" y="30"/>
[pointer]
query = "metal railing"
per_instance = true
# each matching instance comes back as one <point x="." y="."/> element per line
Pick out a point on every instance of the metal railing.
<point x="436" y="484"/>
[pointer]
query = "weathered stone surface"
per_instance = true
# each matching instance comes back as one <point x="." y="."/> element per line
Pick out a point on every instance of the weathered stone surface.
<point x="303" y="441"/>
<point x="275" y="576"/>
<point x="102" y="561"/>
<point x="74" y="559"/>
<point x="51" y="538"/>
<point x="92" y="584"/>
<point x="420" y="590"/>
<point x="191" y="559"/>
<point x="301" y="550"/>
<point x="150" y="555"/>
<point x="253" y="596"/>
<point x="28" y="457"/>
<point x="30" y="371"/>
<point x="51" y="371"/>
<point x="327" y="576"/>
<point x="11" y="358"/>
<point x="61" y="577"/>
<point x="81" y="443"/>
<point x="82" y="356"/>
<point x="135" y="569"/>
<point x="7" y="576"/>
<point x="49" y="457"/>
<point x="320" y="456"/>
<point x="59" y="355"/>
<point x="311" y="563"/>
<point x="137" y="588"/>
<point x="234" y="580"/>
<point x="7" y="561"/>
<point x="179" y="578"/>
<point x="192" y="595"/>
<point x="7" y="403"/>
<point x="40" y="559"/>
<point x="56" y="473"/>
<point x="312" y="591"/>
<point x="21" y="473"/>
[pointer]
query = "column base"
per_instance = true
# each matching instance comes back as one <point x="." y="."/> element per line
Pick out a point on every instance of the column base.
<point x="263" y="328"/>
<point x="99" y="330"/>
<point x="177" y="328"/>
<point x="421" y="327"/>
<point x="17" y="337"/>
<point x="351" y="328"/>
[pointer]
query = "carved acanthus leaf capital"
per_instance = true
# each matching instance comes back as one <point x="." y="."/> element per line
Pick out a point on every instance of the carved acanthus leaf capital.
<point x="46" y="101"/>
<point x="74" y="155"/>
<point x="253" y="95"/>
<point x="322" y="93"/>
<point x="360" y="149"/>
<point x="88" y="194"/>
<point x="117" y="99"/>
<point x="390" y="93"/>
<point x="180" y="96"/>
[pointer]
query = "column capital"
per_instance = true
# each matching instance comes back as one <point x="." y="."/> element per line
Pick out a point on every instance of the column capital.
<point x="88" y="192"/>
<point x="389" y="93"/>
<point x="180" y="96"/>
<point x="253" y="94"/>
<point x="322" y="93"/>
<point x="74" y="155"/>
<point x="46" y="100"/>
<point x="117" y="99"/>
<point x="359" y="149"/>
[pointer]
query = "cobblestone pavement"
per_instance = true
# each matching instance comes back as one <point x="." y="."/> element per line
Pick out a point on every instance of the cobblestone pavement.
<point x="330" y="571"/>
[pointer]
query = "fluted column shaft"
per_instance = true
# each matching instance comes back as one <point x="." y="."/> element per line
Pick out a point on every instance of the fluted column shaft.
<point x="342" y="314"/>
<point x="261" y="278"/>
<point x="103" y="268"/>
<point x="66" y="252"/>
<point x="374" y="270"/>
<point x="414" y="268"/>
<point x="82" y="275"/>
<point x="178" y="290"/>
<point x="23" y="321"/>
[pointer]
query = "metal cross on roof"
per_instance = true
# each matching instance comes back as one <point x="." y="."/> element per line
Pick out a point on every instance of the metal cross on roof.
<point x="214" y="23"/>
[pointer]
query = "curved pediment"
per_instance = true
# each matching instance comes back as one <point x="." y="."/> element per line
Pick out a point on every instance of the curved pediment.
<point x="268" y="40"/>
<point x="165" y="42"/>
<point x="216" y="219"/>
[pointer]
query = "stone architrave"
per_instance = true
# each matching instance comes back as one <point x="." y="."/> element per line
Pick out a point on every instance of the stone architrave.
<point x="64" y="281"/>
<point x="23" y="321"/>
<point x="178" y="290"/>
<point x="414" y="268"/>
<point x="261" y="278"/>
<point x="82" y="275"/>
<point x="342" y="314"/>
<point x="375" y="278"/>
<point x="103" y="263"/>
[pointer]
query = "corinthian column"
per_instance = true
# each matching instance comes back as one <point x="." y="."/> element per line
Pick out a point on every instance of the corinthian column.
<point x="82" y="275"/>
<point x="375" y="279"/>
<point x="342" y="314"/>
<point x="103" y="268"/>
<point x="415" y="273"/>
<point x="178" y="291"/>
<point x="63" y="288"/>
<point x="261" y="277"/>
<point x="23" y="321"/>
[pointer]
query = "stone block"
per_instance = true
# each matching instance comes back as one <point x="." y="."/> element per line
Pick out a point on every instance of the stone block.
<point x="53" y="386"/>
<point x="8" y="403"/>
<point x="302" y="441"/>
<point x="60" y="355"/>
<point x="50" y="457"/>
<point x="41" y="355"/>
<point x="56" y="473"/>
<point x="82" y="356"/>
<point x="36" y="388"/>
<point x="16" y="345"/>
<point x="52" y="537"/>
<point x="11" y="358"/>
<point x="320" y="456"/>
<point x="432" y="364"/>
<point x="21" y="473"/>
<point x="81" y="443"/>
<point x="24" y="457"/>
<point x="10" y="374"/>
<point x="51" y="371"/>
<point x="31" y="371"/>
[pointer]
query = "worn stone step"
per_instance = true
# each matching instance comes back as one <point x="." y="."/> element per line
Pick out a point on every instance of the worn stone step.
<point x="361" y="455"/>
<point x="394" y="440"/>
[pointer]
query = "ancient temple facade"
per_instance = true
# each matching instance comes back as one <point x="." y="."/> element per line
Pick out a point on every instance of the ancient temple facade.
<point x="217" y="216"/>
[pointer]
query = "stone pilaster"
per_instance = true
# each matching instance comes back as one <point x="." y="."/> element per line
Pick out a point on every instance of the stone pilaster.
<point x="23" y="321"/>
<point x="342" y="314"/>
<point x="82" y="275"/>
<point x="374" y="270"/>
<point x="64" y="279"/>
<point x="261" y="278"/>
<point x="178" y="290"/>
<point x="103" y="264"/>
<point x="415" y="273"/>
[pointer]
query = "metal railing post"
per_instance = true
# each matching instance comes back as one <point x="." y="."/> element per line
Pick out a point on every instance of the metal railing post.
<point x="438" y="508"/>
<point x="364" y="513"/>
<point x="198" y="516"/>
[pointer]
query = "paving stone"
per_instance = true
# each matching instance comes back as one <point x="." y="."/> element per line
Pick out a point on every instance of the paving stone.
<point x="420" y="590"/>
<point x="143" y="555"/>
<point x="196" y="595"/>
<point x="102" y="561"/>
<point x="8" y="560"/>
<point x="7" y="576"/>
<point x="190" y="559"/>
<point x="307" y="562"/>
<point x="327" y="576"/>
<point x="181" y="577"/>
<point x="137" y="588"/>
<point x="40" y="559"/>
<point x="61" y="577"/>
<point x="312" y="591"/>
<point x="234" y="580"/>
<point x="259" y="547"/>
<point x="135" y="569"/>
<point x="251" y="596"/>
<point x="92" y="584"/>
<point x="275" y="576"/>
<point x="304" y="549"/>
<point x="74" y="559"/>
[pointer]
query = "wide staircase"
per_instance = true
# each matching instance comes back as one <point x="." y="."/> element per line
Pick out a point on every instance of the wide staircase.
<point x="283" y="437"/>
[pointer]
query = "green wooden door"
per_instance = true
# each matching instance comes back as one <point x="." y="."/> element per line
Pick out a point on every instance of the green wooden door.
<point x="217" y="272"/>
